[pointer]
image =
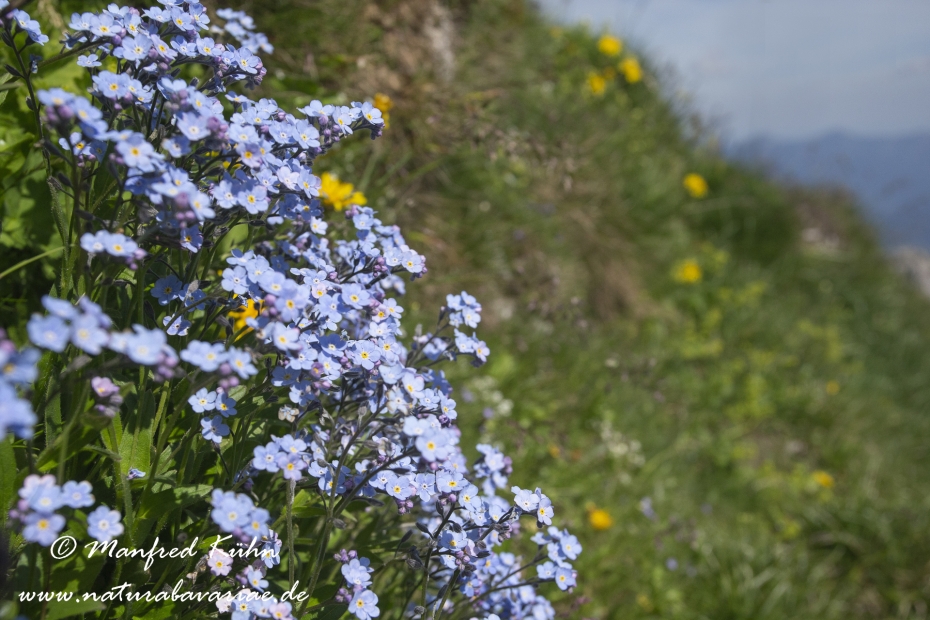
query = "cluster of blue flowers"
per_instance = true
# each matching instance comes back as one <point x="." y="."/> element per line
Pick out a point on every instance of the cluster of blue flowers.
<point x="40" y="497"/>
<point x="362" y="602"/>
<point x="370" y="418"/>
<point x="17" y="20"/>
<point x="246" y="605"/>
<point x="88" y="328"/>
<point x="237" y="514"/>
<point x="17" y="372"/>
<point x="203" y="401"/>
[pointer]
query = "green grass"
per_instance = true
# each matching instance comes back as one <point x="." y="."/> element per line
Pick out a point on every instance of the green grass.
<point x="613" y="382"/>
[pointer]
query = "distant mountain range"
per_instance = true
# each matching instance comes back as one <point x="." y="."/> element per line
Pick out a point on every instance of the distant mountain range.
<point x="889" y="176"/>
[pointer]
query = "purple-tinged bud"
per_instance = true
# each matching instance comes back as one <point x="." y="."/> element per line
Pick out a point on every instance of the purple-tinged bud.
<point x="103" y="387"/>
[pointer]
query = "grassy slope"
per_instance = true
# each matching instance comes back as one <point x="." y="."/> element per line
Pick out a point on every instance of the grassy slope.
<point x="565" y="214"/>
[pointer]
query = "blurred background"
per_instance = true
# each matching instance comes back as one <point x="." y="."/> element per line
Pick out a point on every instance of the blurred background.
<point x="816" y="91"/>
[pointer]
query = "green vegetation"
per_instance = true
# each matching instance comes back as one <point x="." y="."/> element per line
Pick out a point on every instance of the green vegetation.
<point x="767" y="394"/>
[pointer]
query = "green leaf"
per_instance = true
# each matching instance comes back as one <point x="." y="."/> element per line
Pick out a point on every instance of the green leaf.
<point x="7" y="483"/>
<point x="77" y="573"/>
<point x="326" y="591"/>
<point x="3" y="80"/>
<point x="309" y="511"/>
<point x="161" y="612"/>
<point x="137" y="440"/>
<point x="70" y="609"/>
<point x="333" y="612"/>
<point x="107" y="441"/>
<point x="161" y="501"/>
<point x="80" y="438"/>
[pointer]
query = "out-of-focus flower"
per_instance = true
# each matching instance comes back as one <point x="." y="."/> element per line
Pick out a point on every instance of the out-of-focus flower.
<point x="695" y="185"/>
<point x="104" y="524"/>
<point x="687" y="272"/>
<point x="833" y="388"/>
<point x="631" y="70"/>
<point x="596" y="84"/>
<point x="337" y="194"/>
<point x="824" y="479"/>
<point x="609" y="46"/>
<point x="249" y="311"/>
<point x="384" y="103"/>
<point x="599" y="519"/>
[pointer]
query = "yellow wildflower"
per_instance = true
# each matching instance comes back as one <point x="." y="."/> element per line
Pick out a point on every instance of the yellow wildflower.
<point x="596" y="83"/>
<point x="833" y="388"/>
<point x="631" y="70"/>
<point x="823" y="479"/>
<point x="555" y="451"/>
<point x="249" y="311"/>
<point x="643" y="601"/>
<point x="384" y="103"/>
<point x="609" y="46"/>
<point x="687" y="272"/>
<point x="600" y="519"/>
<point x="695" y="185"/>
<point x="339" y="195"/>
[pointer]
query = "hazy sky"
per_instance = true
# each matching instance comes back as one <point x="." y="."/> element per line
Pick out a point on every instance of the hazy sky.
<point x="784" y="68"/>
